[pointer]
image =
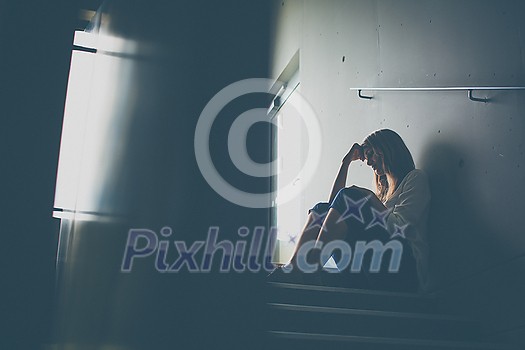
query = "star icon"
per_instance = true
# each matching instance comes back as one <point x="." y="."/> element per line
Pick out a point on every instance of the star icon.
<point x="379" y="218"/>
<point x="353" y="209"/>
<point x="399" y="231"/>
<point x="317" y="221"/>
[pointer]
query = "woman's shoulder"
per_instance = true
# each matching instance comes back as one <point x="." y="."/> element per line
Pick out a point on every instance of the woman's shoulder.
<point x="417" y="174"/>
<point x="416" y="178"/>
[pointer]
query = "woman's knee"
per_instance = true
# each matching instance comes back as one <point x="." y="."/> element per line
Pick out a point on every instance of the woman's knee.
<point x="320" y="208"/>
<point x="353" y="204"/>
<point x="355" y="192"/>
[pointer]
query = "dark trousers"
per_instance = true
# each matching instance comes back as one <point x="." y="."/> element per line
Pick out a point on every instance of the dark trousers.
<point x="365" y="225"/>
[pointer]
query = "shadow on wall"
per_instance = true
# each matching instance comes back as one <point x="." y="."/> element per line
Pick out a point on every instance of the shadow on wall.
<point x="457" y="234"/>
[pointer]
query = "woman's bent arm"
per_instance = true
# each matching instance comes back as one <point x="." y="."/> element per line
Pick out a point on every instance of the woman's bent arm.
<point x="356" y="152"/>
<point x="340" y="180"/>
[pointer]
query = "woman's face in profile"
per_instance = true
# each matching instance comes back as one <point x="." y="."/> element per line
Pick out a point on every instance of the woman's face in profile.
<point x="374" y="160"/>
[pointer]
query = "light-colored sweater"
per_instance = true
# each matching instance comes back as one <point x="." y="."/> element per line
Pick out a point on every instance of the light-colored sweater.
<point x="410" y="204"/>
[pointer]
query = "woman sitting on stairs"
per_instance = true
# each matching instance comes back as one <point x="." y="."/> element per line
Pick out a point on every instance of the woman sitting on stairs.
<point x="397" y="210"/>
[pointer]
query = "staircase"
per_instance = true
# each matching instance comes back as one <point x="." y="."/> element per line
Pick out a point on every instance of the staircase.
<point x="319" y="317"/>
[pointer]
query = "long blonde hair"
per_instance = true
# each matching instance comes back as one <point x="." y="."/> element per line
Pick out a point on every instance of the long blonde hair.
<point x="397" y="160"/>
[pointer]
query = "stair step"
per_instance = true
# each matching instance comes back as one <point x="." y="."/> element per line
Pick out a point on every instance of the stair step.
<point x="306" y="341"/>
<point x="289" y="293"/>
<point x="359" y="322"/>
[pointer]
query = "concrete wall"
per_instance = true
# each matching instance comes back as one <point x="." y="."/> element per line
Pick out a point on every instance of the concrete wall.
<point x="34" y="77"/>
<point x="472" y="151"/>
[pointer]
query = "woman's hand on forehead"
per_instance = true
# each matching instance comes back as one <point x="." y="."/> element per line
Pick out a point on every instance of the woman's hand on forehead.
<point x="356" y="152"/>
